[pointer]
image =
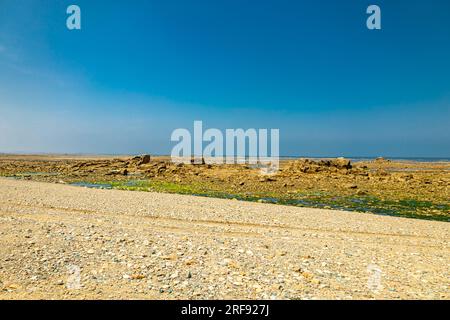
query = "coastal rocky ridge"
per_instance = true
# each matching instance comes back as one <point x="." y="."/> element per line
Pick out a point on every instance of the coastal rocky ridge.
<point x="414" y="189"/>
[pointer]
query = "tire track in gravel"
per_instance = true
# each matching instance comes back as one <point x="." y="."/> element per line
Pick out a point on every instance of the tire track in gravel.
<point x="205" y="226"/>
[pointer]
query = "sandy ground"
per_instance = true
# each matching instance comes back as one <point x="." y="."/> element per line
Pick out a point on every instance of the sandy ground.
<point x="64" y="242"/>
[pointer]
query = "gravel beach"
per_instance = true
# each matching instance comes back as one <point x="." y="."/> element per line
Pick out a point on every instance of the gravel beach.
<point x="65" y="242"/>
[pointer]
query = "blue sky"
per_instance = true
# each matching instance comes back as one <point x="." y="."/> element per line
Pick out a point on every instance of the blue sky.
<point x="140" y="69"/>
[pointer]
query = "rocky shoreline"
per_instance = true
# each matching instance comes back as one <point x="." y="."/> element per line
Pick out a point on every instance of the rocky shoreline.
<point x="411" y="189"/>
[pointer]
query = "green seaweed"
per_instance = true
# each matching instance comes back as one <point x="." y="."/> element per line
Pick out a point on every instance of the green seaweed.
<point x="408" y="208"/>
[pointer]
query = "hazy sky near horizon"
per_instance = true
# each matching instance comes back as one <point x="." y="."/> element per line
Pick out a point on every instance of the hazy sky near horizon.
<point x="140" y="69"/>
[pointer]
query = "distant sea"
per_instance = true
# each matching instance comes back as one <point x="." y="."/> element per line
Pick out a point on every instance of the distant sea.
<point x="355" y="159"/>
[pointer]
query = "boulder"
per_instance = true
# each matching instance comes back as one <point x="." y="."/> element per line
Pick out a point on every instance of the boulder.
<point x="142" y="159"/>
<point x="145" y="159"/>
<point x="341" y="163"/>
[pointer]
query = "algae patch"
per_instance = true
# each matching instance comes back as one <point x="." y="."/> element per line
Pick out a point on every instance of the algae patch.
<point x="409" y="208"/>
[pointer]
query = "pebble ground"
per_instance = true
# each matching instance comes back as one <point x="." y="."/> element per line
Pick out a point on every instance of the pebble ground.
<point x="64" y="242"/>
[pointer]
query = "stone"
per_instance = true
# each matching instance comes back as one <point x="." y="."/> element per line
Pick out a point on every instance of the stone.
<point x="341" y="163"/>
<point x="145" y="159"/>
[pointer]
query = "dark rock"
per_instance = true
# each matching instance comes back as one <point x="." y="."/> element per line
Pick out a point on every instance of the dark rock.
<point x="198" y="161"/>
<point x="142" y="159"/>
<point x="267" y="179"/>
<point x="341" y="163"/>
<point x="145" y="159"/>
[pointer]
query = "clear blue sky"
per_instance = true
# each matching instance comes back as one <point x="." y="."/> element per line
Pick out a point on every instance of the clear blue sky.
<point x="139" y="69"/>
